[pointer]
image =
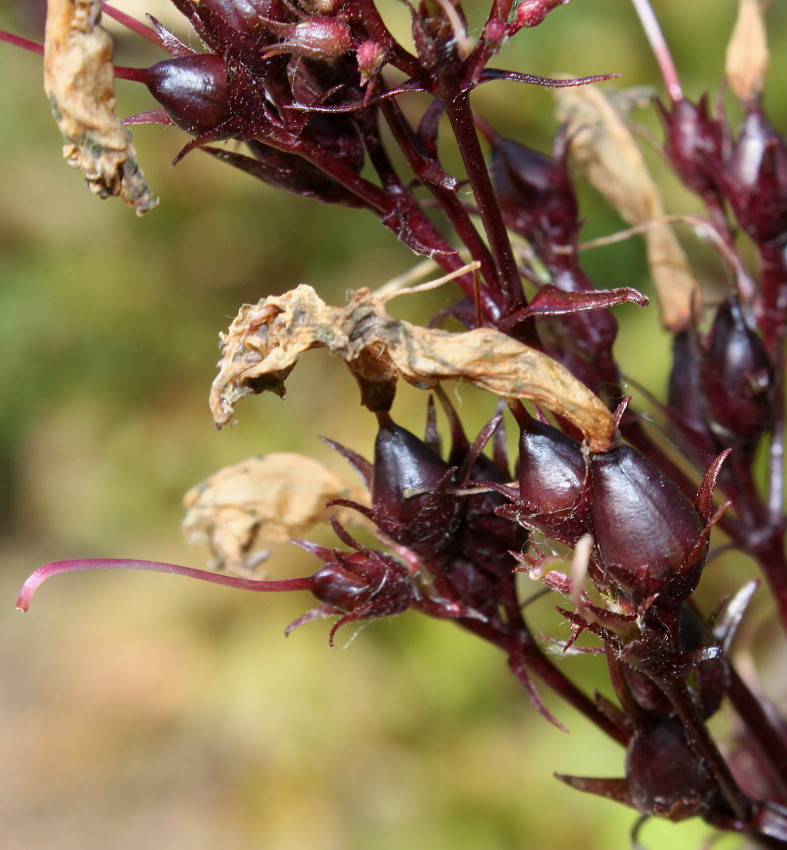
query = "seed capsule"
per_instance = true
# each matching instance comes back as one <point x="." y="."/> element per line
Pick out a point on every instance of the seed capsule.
<point x="192" y="89"/>
<point x="736" y="378"/>
<point x="403" y="466"/>
<point x="646" y="530"/>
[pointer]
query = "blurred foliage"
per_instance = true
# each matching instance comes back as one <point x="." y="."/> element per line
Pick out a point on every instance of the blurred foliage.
<point x="146" y="710"/>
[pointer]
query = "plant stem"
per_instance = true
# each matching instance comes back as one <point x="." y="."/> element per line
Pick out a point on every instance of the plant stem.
<point x="704" y="747"/>
<point x="457" y="108"/>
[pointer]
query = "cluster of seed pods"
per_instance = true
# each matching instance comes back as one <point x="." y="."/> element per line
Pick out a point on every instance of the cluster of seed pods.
<point x="306" y="86"/>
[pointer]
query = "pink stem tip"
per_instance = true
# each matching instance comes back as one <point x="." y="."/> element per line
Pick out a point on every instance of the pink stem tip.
<point x="48" y="570"/>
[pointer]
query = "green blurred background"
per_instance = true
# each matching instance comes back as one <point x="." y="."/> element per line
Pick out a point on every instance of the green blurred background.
<point x="146" y="710"/>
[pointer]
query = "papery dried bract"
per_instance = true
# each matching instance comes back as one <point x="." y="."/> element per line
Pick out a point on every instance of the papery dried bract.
<point x="611" y="160"/>
<point x="265" y="342"/>
<point x="747" y="52"/>
<point x="272" y="497"/>
<point x="79" y="82"/>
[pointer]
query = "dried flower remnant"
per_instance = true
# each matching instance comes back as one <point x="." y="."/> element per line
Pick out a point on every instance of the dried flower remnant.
<point x="79" y="81"/>
<point x="610" y="158"/>
<point x="266" y="340"/>
<point x="312" y="88"/>
<point x="747" y="52"/>
<point x="269" y="498"/>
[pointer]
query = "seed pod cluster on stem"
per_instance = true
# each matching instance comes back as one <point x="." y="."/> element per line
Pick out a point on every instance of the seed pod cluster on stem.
<point x="612" y="515"/>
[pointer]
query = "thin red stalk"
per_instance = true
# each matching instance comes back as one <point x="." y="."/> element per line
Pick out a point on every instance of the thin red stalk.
<point x="134" y="25"/>
<point x="24" y="43"/>
<point x="138" y="75"/>
<point x="485" y="49"/>
<point x="56" y="567"/>
<point x="659" y="46"/>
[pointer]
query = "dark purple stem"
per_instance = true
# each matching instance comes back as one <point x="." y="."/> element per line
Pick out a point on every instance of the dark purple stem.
<point x="446" y="198"/>
<point x="770" y="743"/>
<point x="457" y="108"/>
<point x="704" y="747"/>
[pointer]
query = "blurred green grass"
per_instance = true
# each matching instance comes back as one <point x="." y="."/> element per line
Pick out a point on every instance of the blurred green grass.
<point x="143" y="709"/>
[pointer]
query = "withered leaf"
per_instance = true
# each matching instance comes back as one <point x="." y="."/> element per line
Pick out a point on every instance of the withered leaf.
<point x="747" y="52"/>
<point x="265" y="341"/>
<point x="79" y="82"/>
<point x="271" y="497"/>
<point x="608" y="154"/>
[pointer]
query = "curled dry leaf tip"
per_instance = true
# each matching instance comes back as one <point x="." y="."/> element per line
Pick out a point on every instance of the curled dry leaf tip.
<point x="265" y="341"/>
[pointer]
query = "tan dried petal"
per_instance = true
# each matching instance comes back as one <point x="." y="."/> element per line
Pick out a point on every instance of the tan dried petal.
<point x="747" y="52"/>
<point x="610" y="158"/>
<point x="265" y="341"/>
<point x="79" y="82"/>
<point x="272" y="497"/>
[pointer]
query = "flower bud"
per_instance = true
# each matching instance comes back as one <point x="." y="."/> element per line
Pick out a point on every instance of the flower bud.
<point x="371" y="58"/>
<point x="646" y="530"/>
<point x="192" y="90"/>
<point x="530" y="13"/>
<point x="736" y="378"/>
<point x="367" y="583"/>
<point x="236" y="26"/>
<point x="684" y="400"/>
<point x="324" y="39"/>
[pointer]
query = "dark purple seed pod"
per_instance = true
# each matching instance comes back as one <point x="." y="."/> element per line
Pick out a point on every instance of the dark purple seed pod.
<point x="665" y="778"/>
<point x="736" y="378"/>
<point x="435" y="38"/>
<point x="535" y="191"/>
<point x="192" y="89"/>
<point x="552" y="476"/>
<point x="364" y="581"/>
<point x="755" y="178"/>
<point x="695" y="144"/>
<point x="684" y="401"/>
<point x="237" y="25"/>
<point x="403" y="466"/>
<point x="551" y="468"/>
<point x="646" y="530"/>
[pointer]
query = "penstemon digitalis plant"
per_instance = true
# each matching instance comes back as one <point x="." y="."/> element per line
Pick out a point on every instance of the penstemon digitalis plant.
<point x="594" y="505"/>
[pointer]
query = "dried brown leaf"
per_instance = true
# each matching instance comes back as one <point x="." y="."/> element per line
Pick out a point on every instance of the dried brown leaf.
<point x="265" y="341"/>
<point x="747" y="52"/>
<point x="272" y="497"/>
<point x="79" y="82"/>
<point x="608" y="154"/>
